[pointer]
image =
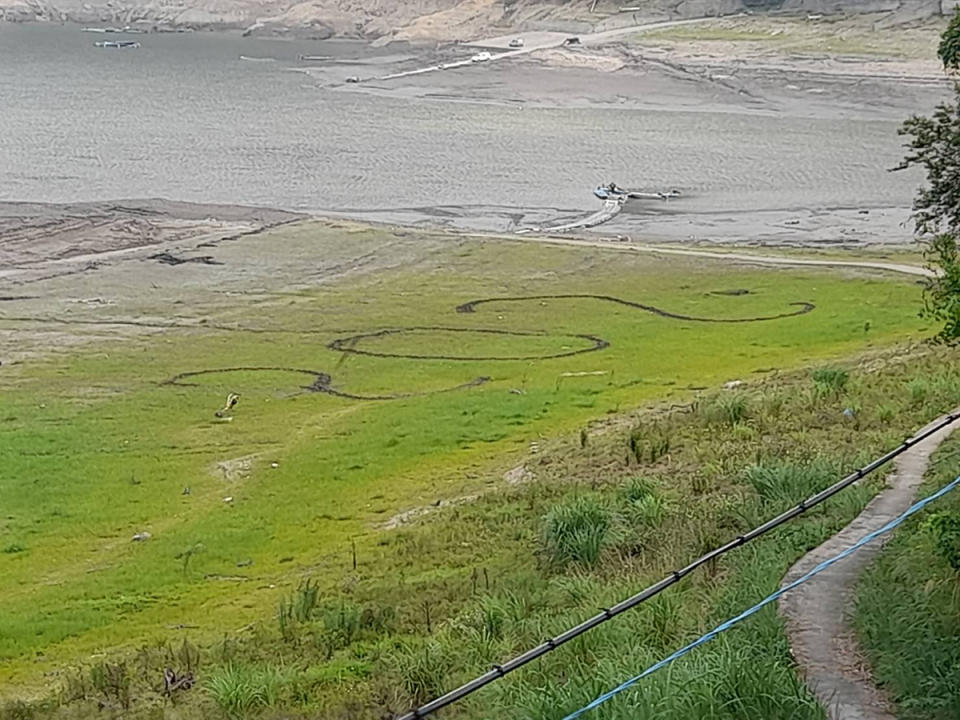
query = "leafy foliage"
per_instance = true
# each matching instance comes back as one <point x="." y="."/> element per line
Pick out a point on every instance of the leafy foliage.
<point x="945" y="527"/>
<point x="942" y="294"/>
<point x="949" y="49"/>
<point x="935" y="146"/>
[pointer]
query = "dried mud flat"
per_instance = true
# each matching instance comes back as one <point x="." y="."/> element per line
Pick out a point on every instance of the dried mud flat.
<point x="38" y="241"/>
<point x="75" y="274"/>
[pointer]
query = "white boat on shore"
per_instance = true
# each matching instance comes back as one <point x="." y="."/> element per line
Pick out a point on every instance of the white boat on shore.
<point x="117" y="44"/>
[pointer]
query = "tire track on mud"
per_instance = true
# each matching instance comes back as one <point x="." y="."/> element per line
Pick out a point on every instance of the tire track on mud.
<point x="322" y="382"/>
<point x="348" y="344"/>
<point x="817" y="614"/>
<point x="804" y="307"/>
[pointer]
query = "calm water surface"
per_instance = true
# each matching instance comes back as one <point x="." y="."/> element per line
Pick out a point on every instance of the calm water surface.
<point x="185" y="118"/>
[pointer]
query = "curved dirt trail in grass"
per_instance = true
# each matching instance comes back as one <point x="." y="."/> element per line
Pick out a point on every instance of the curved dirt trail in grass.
<point x="349" y="344"/>
<point x="817" y="613"/>
<point x="903" y="268"/>
<point x="322" y="382"/>
<point x="595" y="343"/>
<point x="803" y="307"/>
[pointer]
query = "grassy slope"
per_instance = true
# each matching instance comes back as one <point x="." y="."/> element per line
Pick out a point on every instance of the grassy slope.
<point x="95" y="450"/>
<point x="432" y="604"/>
<point x="908" y="610"/>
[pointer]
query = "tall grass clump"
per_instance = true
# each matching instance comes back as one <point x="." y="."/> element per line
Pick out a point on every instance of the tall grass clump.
<point x="939" y="387"/>
<point x="297" y="609"/>
<point x="727" y="409"/>
<point x="648" y="445"/>
<point x="788" y="482"/>
<point x="577" y="531"/>
<point x="239" y="689"/>
<point x="644" y="507"/>
<point x="112" y="681"/>
<point x="422" y="670"/>
<point x="830" y="381"/>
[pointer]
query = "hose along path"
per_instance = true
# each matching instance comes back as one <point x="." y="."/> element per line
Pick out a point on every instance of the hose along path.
<point x="939" y="428"/>
<point x="818" y="613"/>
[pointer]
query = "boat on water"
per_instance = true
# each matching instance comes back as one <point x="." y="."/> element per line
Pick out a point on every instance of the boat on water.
<point x="117" y="44"/>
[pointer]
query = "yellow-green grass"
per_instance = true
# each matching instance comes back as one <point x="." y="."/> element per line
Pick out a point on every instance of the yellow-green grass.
<point x="905" y="255"/>
<point x="96" y="448"/>
<point x="853" y="36"/>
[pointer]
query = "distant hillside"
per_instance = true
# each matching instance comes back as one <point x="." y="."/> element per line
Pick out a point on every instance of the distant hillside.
<point x="415" y="19"/>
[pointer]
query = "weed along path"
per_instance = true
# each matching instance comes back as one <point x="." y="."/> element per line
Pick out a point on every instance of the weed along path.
<point x="817" y="613"/>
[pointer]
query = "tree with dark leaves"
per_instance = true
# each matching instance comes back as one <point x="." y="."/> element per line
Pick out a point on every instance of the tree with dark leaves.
<point x="934" y="145"/>
<point x="949" y="50"/>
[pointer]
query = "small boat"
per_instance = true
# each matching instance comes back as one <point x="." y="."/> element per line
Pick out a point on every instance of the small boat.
<point x="117" y="44"/>
<point x="606" y="192"/>
<point x="115" y="30"/>
<point x="315" y="58"/>
<point x="612" y="190"/>
<point x="516" y="43"/>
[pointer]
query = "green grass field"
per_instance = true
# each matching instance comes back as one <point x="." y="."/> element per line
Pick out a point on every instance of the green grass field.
<point x="98" y="446"/>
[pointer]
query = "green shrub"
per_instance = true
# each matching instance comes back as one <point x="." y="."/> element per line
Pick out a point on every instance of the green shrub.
<point x="945" y="528"/>
<point x="14" y="548"/>
<point x="576" y="531"/>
